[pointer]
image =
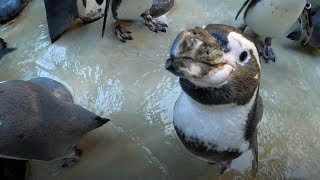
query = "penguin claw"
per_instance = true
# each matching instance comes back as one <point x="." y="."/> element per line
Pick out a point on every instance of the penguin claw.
<point x="154" y="24"/>
<point x="121" y="33"/>
<point x="266" y="51"/>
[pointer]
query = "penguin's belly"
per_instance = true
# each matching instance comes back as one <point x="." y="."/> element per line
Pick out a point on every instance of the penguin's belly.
<point x="131" y="9"/>
<point x="271" y="18"/>
<point x="218" y="128"/>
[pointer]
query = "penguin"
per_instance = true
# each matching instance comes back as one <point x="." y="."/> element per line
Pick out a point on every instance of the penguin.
<point x="40" y="122"/>
<point x="9" y="9"/>
<point x="62" y="14"/>
<point x="219" y="108"/>
<point x="270" y="19"/>
<point x="128" y="10"/>
<point x="12" y="169"/>
<point x="3" y="49"/>
<point x="312" y="37"/>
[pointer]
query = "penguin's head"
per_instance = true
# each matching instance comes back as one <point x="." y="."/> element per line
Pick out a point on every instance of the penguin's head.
<point x="91" y="10"/>
<point x="215" y="56"/>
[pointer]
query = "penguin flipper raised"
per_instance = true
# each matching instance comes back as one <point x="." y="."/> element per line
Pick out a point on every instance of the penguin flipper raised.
<point x="105" y="16"/>
<point x="60" y="16"/>
<point x="241" y="9"/>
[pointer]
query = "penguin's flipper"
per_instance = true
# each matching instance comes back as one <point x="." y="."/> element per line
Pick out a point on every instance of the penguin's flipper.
<point x="60" y="16"/>
<point x="5" y="51"/>
<point x="105" y="16"/>
<point x="241" y="9"/>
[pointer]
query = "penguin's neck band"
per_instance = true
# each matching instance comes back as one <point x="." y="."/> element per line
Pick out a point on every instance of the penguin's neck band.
<point x="208" y="96"/>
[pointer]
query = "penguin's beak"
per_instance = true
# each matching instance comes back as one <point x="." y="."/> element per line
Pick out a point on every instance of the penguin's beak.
<point x="194" y="54"/>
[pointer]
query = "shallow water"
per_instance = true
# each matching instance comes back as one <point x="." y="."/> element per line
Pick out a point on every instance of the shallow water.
<point x="128" y="83"/>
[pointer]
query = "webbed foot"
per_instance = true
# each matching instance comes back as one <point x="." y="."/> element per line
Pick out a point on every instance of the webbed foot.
<point x="121" y="32"/>
<point x="266" y="51"/>
<point x="154" y="24"/>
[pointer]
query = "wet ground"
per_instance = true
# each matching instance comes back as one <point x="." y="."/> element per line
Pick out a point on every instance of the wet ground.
<point x="128" y="83"/>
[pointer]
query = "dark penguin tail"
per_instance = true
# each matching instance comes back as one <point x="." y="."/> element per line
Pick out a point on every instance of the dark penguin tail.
<point x="5" y="51"/>
<point x="105" y="16"/>
<point x="101" y="120"/>
<point x="11" y="169"/>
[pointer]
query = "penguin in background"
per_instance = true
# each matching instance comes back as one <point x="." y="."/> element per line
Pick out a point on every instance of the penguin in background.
<point x="218" y="111"/>
<point x="270" y="19"/>
<point x="309" y="30"/>
<point x="39" y="121"/>
<point x="128" y="10"/>
<point x="62" y="14"/>
<point x="4" y="50"/>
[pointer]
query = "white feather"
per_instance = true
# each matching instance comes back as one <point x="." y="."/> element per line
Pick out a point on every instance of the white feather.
<point x="221" y="125"/>
<point x="271" y="18"/>
<point x="131" y="9"/>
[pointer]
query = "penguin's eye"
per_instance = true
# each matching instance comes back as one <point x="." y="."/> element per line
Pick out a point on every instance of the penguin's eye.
<point x="99" y="2"/>
<point x="243" y="56"/>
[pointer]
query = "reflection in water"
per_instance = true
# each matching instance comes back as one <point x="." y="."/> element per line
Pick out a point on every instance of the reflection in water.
<point x="128" y="83"/>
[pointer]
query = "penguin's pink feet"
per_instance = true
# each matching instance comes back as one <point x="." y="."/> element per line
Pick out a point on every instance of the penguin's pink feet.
<point x="154" y="24"/>
<point x="224" y="166"/>
<point x="121" y="32"/>
<point x="266" y="51"/>
<point x="74" y="159"/>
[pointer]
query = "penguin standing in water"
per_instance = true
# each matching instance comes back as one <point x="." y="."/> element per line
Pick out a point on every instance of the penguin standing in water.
<point x="311" y="19"/>
<point x="270" y="19"/>
<point x="62" y="14"/>
<point x="124" y="10"/>
<point x="40" y="122"/>
<point x="217" y="113"/>
<point x="3" y="49"/>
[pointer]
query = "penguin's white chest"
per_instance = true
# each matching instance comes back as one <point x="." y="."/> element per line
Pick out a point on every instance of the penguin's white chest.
<point x="271" y="18"/>
<point x="131" y="9"/>
<point x="220" y="125"/>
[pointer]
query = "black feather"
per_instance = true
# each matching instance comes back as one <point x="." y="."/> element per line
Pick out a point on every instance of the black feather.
<point x="105" y="16"/>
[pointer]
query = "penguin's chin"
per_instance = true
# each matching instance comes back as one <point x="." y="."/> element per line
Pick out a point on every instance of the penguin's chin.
<point x="216" y="78"/>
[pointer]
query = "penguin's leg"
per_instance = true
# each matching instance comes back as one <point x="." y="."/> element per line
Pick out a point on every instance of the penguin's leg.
<point x="266" y="50"/>
<point x="153" y="24"/>
<point x="74" y="159"/>
<point x="121" y="32"/>
<point x="242" y="27"/>
<point x="224" y="166"/>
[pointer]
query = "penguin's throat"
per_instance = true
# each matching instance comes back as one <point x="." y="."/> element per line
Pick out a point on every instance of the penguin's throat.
<point x="217" y="77"/>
